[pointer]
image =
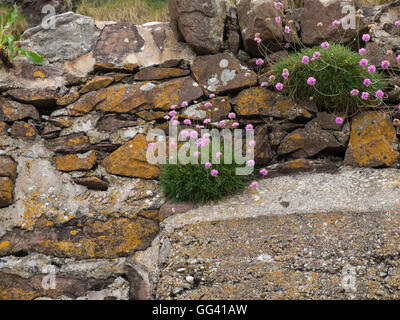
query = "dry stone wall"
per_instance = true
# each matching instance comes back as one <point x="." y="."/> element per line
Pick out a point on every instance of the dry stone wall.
<point x="78" y="198"/>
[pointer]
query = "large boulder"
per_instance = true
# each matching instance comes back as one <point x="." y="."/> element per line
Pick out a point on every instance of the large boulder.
<point x="8" y="174"/>
<point x="252" y="16"/>
<point x="326" y="11"/>
<point x="200" y="23"/>
<point x="373" y="141"/>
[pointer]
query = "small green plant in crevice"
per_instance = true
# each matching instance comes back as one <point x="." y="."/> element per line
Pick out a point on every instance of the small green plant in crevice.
<point x="332" y="77"/>
<point x="202" y="183"/>
<point x="9" y="47"/>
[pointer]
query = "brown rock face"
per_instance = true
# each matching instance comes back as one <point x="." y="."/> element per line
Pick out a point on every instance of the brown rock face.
<point x="74" y="162"/>
<point x="14" y="287"/>
<point x="39" y="98"/>
<point x="327" y="13"/>
<point x="199" y="23"/>
<point x="13" y="111"/>
<point x="3" y="129"/>
<point x="219" y="109"/>
<point x="252" y="15"/>
<point x="373" y="141"/>
<point x="225" y="75"/>
<point x="152" y="73"/>
<point x="83" y="238"/>
<point x="97" y="83"/>
<point x="74" y="143"/>
<point x="93" y="183"/>
<point x="111" y="123"/>
<point x="8" y="168"/>
<point x="263" y="102"/>
<point x="308" y="142"/>
<point x="6" y="192"/>
<point x="130" y="160"/>
<point x="23" y="130"/>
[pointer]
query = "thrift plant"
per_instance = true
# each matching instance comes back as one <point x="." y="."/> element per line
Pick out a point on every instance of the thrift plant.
<point x="336" y="78"/>
<point x="202" y="183"/>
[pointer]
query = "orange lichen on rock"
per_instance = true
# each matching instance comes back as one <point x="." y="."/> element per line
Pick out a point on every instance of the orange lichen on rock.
<point x="74" y="162"/>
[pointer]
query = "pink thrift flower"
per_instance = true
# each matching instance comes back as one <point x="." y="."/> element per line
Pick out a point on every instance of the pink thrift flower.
<point x="305" y="60"/>
<point x="150" y="145"/>
<point x="285" y="74"/>
<point x="397" y="23"/>
<point x="175" y="122"/>
<point x="207" y="121"/>
<point x="278" y="5"/>
<point x="212" y="95"/>
<point x="232" y="115"/>
<point x="246" y="75"/>
<point x="367" y="82"/>
<point x="385" y="64"/>
<point x="214" y="172"/>
<point x="222" y="123"/>
<point x="264" y="171"/>
<point x="325" y="45"/>
<point x="339" y="120"/>
<point x="167" y="117"/>
<point x="249" y="127"/>
<point x="172" y="144"/>
<point x="398" y="58"/>
<point x="173" y="113"/>
<point x="366" y="37"/>
<point x="196" y="154"/>
<point x="251" y="163"/>
<point x="264" y="84"/>
<point x="364" y="95"/>
<point x="379" y="94"/>
<point x="278" y="19"/>
<point x="287" y="45"/>
<point x="279" y="86"/>
<point x="371" y="69"/>
<point x="287" y="30"/>
<point x="208" y="104"/>
<point x="354" y="92"/>
<point x="316" y="54"/>
<point x="185" y="134"/>
<point x="257" y="39"/>
<point x="223" y="100"/>
<point x="184" y="104"/>
<point x="363" y="63"/>
<point x="187" y="122"/>
<point x="218" y="154"/>
<point x="259" y="62"/>
<point x="335" y="22"/>
<point x="271" y="78"/>
<point x="235" y="124"/>
<point x="362" y="51"/>
<point x="194" y="134"/>
<point x="208" y="165"/>
<point x="254" y="185"/>
<point x="311" y="81"/>
<point x="252" y="143"/>
<point x="174" y="106"/>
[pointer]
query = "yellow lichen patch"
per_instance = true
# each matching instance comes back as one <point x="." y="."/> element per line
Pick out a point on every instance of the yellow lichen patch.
<point x="252" y="101"/>
<point x="6" y="190"/>
<point x="4" y="244"/>
<point x="39" y="74"/>
<point x="296" y="164"/>
<point x="372" y="141"/>
<point x="130" y="160"/>
<point x="97" y="83"/>
<point x="74" y="162"/>
<point x="68" y="98"/>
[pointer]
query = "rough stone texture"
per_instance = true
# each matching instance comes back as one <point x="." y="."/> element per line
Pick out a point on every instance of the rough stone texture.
<point x="310" y="141"/>
<point x="124" y="46"/>
<point x="73" y="36"/>
<point x="93" y="183"/>
<point x="295" y="238"/>
<point x="227" y="74"/>
<point x="74" y="162"/>
<point x="328" y="11"/>
<point x="171" y="208"/>
<point x="218" y="111"/>
<point x="13" y="111"/>
<point x="130" y="160"/>
<point x="74" y="143"/>
<point x="38" y="98"/>
<point x="200" y="23"/>
<point x="23" y="130"/>
<point x="373" y="141"/>
<point x="96" y="84"/>
<point x="252" y="15"/>
<point x="376" y="53"/>
<point x="152" y="73"/>
<point x="263" y="102"/>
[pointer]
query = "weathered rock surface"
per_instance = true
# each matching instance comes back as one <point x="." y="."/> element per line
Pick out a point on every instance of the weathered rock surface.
<point x="13" y="111"/>
<point x="373" y="141"/>
<point x="200" y="23"/>
<point x="227" y="74"/>
<point x="252" y="17"/>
